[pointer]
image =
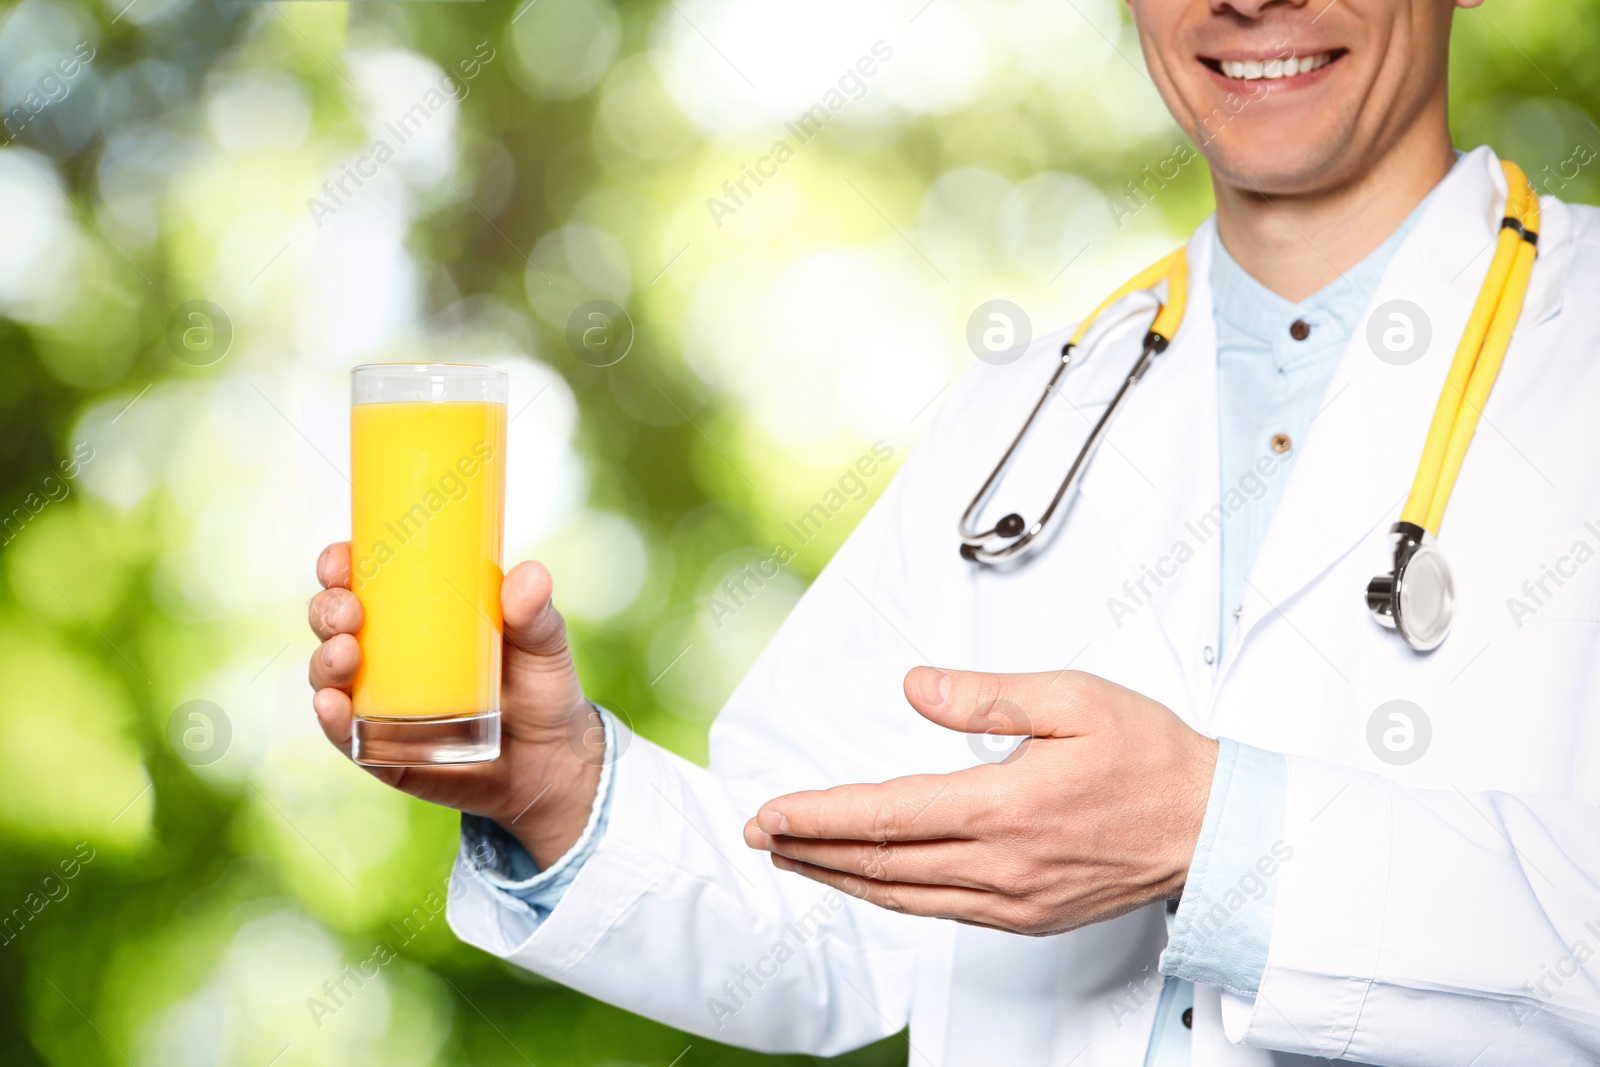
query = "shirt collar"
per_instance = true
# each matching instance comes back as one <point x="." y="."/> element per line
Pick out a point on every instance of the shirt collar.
<point x="1243" y="306"/>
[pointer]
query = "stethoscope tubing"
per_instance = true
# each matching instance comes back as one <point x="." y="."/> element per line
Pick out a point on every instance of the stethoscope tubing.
<point x="1471" y="377"/>
<point x="973" y="543"/>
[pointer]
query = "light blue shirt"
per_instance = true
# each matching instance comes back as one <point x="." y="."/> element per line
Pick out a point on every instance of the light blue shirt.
<point x="1274" y="361"/>
<point x="1269" y="383"/>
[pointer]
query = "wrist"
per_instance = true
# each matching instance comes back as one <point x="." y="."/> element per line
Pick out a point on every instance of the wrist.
<point x="1190" y="810"/>
<point x="554" y="789"/>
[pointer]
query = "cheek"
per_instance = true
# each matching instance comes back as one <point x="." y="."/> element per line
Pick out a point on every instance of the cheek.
<point x="1166" y="39"/>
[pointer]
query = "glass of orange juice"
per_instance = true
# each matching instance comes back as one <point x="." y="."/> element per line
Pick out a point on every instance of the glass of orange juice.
<point x="427" y="474"/>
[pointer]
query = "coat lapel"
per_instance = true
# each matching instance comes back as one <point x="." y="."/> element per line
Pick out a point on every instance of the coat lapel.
<point x="1156" y="474"/>
<point x="1358" y="461"/>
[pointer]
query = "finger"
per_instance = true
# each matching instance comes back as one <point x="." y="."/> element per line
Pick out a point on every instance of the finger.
<point x="951" y="863"/>
<point x="1047" y="704"/>
<point x="925" y="807"/>
<point x="333" y="566"/>
<point x="335" y="611"/>
<point x="334" y="716"/>
<point x="941" y="902"/>
<point x="335" y="663"/>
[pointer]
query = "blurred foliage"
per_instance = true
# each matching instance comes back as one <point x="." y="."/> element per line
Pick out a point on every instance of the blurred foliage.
<point x="164" y="493"/>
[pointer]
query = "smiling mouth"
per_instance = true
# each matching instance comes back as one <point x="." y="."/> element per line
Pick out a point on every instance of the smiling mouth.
<point x="1274" y="69"/>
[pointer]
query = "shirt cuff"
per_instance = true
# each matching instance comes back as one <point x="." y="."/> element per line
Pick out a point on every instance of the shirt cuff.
<point x="1223" y="928"/>
<point x="498" y="860"/>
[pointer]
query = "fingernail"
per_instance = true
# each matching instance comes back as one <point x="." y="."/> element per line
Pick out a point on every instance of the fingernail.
<point x="773" y="822"/>
<point x="327" y="655"/>
<point x="784" y="863"/>
<point x="933" y="685"/>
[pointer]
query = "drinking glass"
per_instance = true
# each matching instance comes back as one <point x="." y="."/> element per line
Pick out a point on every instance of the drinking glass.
<point x="427" y="474"/>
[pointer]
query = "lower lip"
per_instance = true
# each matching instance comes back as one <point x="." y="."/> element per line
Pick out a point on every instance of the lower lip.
<point x="1253" y="87"/>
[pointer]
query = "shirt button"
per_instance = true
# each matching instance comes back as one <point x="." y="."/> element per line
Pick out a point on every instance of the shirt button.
<point x="1281" y="443"/>
<point x="1211" y="654"/>
<point x="1299" y="329"/>
<point x="1188" y="1018"/>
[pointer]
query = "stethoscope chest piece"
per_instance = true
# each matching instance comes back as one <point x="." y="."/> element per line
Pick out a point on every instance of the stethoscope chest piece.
<point x="1418" y="598"/>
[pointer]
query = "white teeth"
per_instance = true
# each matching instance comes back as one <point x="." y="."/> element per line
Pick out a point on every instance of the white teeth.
<point x="1254" y="69"/>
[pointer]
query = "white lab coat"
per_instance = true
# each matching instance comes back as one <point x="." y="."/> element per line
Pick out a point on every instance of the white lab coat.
<point x="1432" y="913"/>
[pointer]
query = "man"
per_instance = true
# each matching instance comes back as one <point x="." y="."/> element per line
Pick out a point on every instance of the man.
<point x="1248" y="818"/>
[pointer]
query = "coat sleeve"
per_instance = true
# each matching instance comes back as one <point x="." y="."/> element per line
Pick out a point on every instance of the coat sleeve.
<point x="1429" y="926"/>
<point x="673" y="916"/>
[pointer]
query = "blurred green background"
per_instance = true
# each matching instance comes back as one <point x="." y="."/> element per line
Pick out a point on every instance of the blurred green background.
<point x="181" y="298"/>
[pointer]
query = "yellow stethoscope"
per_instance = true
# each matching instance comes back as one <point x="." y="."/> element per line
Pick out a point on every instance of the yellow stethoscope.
<point x="1417" y="598"/>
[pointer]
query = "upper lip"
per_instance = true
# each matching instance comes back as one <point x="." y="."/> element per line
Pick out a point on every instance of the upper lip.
<point x="1265" y="55"/>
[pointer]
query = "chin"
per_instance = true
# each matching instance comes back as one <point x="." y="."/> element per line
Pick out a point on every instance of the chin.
<point x="1275" y="161"/>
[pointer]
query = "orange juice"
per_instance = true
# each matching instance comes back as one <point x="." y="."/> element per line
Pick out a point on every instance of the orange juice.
<point x="428" y="505"/>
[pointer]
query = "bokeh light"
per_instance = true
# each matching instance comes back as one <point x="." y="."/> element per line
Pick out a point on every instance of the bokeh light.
<point x="345" y="183"/>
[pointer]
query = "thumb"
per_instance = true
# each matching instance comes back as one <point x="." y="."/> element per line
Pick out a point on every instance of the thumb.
<point x="539" y="672"/>
<point x="532" y="623"/>
<point x="1046" y="704"/>
<point x="540" y="688"/>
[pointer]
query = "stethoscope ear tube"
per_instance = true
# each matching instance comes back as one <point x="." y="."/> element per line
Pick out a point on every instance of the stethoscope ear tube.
<point x="1013" y="528"/>
<point x="974" y="545"/>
